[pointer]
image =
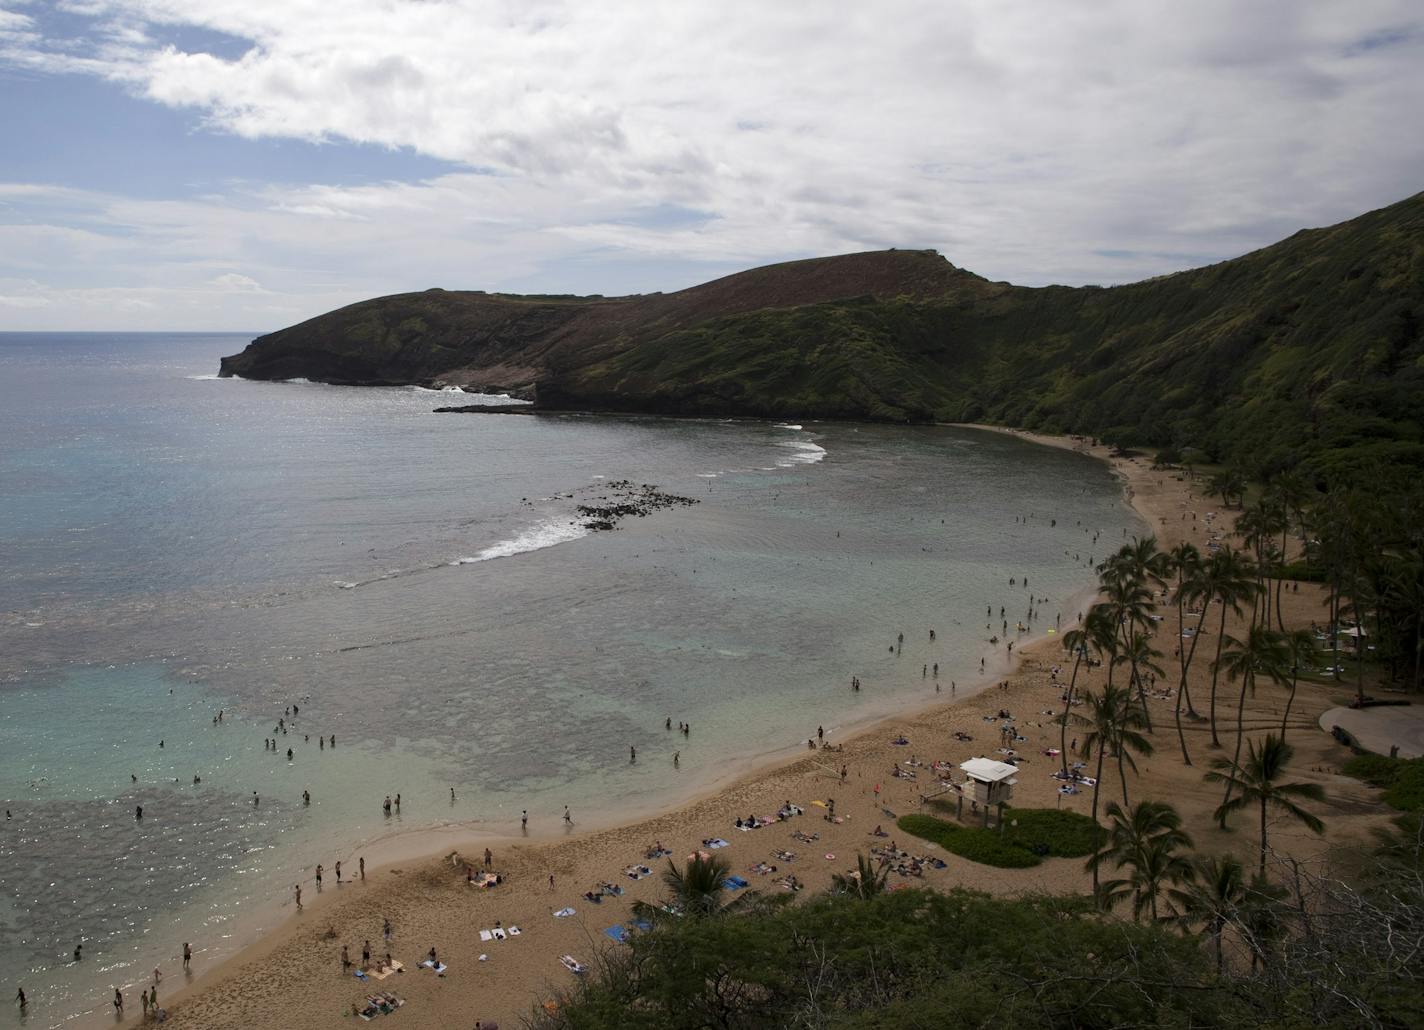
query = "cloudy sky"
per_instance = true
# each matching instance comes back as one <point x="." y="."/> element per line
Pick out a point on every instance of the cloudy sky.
<point x="244" y="164"/>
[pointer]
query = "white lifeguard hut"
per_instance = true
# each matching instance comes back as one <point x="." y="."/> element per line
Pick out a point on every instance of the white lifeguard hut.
<point x="988" y="783"/>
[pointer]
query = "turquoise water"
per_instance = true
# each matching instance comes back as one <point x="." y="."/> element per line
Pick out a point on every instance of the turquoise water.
<point x="172" y="545"/>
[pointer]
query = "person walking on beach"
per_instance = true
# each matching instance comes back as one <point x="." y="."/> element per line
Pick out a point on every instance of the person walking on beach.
<point x="568" y="819"/>
<point x="524" y="820"/>
<point x="306" y="797"/>
<point x="362" y="866"/>
<point x="153" y="998"/>
<point x="318" y="877"/>
<point x="489" y="858"/>
<point x="118" y="1003"/>
<point x="21" y="1000"/>
<point x="187" y="955"/>
<point x="298" y="888"/>
<point x="387" y="930"/>
<point x="143" y="998"/>
<point x="338" y="874"/>
<point x="366" y="955"/>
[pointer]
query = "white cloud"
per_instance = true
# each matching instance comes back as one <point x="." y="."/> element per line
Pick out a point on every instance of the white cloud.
<point x="1031" y="141"/>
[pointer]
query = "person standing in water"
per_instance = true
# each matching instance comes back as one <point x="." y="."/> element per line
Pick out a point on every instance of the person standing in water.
<point x="187" y="955"/>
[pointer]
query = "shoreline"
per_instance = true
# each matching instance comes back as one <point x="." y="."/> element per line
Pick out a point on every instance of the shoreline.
<point x="433" y="847"/>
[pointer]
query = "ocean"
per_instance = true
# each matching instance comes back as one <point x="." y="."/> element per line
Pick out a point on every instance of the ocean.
<point x="423" y="588"/>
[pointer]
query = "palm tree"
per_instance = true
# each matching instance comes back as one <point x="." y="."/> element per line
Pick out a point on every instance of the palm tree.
<point x="1212" y="897"/>
<point x="1229" y="579"/>
<point x="698" y="888"/>
<point x="1257" y="779"/>
<point x="1112" y="723"/>
<point x="1097" y="634"/>
<point x="867" y="881"/>
<point x="1144" y="840"/>
<point x="1262" y="653"/>
<point x="1301" y="653"/>
<point x="1128" y="603"/>
<point x="1187" y="564"/>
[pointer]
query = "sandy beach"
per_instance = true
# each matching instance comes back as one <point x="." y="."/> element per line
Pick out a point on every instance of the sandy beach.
<point x="294" y="976"/>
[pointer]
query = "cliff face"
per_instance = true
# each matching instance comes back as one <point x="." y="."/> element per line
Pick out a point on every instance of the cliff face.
<point x="1310" y="348"/>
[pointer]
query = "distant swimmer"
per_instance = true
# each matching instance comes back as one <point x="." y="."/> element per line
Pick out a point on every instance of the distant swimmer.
<point x="675" y="756"/>
<point x="78" y="952"/>
<point x="306" y="797"/>
<point x="632" y="754"/>
<point x="138" y="811"/>
<point x="256" y="801"/>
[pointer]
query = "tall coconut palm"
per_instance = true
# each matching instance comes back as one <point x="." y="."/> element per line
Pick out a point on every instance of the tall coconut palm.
<point x="1290" y="492"/>
<point x="1212" y="897"/>
<point x="1128" y="602"/>
<point x="865" y="882"/>
<point x="1257" y="782"/>
<point x="1145" y="840"/>
<point x="1186" y="564"/>
<point x="1112" y="723"/>
<point x="1262" y="653"/>
<point x="1228" y="579"/>
<point x="1301" y="653"/>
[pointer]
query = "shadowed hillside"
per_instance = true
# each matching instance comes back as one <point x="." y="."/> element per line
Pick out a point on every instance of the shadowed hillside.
<point x="1310" y="349"/>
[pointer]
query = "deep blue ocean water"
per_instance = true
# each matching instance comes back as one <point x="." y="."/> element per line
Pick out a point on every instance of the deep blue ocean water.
<point x="172" y="545"/>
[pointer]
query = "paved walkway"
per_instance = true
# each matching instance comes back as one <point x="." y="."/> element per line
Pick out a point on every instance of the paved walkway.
<point x="1379" y="729"/>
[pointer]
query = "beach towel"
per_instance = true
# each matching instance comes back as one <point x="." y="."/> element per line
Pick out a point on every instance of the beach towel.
<point x="563" y="913"/>
<point x="438" y="967"/>
<point x="514" y="931"/>
<point x="735" y="883"/>
<point x="485" y="935"/>
<point x="618" y="933"/>
<point x="499" y="934"/>
<point x="642" y="924"/>
<point x="360" y="974"/>
<point x="717" y="842"/>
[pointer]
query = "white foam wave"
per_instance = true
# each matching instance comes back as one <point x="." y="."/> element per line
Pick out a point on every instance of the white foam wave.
<point x="300" y="380"/>
<point x="787" y="425"/>
<point x="535" y="538"/>
<point x="442" y="389"/>
<point x="807" y="453"/>
<point x="204" y="378"/>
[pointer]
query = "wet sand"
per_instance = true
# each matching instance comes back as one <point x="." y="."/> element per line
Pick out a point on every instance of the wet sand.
<point x="293" y="977"/>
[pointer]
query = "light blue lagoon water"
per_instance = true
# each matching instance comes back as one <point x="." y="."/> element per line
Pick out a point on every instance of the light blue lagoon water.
<point x="172" y="545"/>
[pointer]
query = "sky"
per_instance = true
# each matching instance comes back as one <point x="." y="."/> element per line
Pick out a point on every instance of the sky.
<point x="219" y="165"/>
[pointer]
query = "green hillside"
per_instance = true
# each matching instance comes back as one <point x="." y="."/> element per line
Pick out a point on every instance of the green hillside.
<point x="1308" y="350"/>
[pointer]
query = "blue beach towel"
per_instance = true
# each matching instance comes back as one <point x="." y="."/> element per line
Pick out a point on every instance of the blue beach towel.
<point x="618" y="933"/>
<point x="735" y="883"/>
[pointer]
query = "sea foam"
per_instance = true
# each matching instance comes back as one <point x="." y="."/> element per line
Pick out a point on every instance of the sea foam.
<point x="535" y="538"/>
<point x="807" y="453"/>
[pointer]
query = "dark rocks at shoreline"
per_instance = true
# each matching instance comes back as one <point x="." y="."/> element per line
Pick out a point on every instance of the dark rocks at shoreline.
<point x="627" y="499"/>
